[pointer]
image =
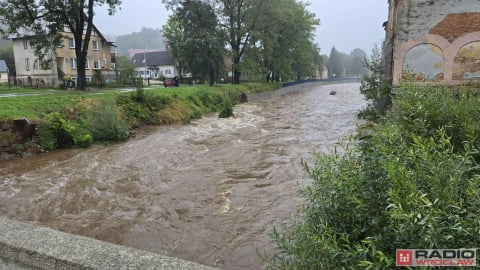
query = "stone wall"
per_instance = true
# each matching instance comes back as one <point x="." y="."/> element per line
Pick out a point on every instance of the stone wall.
<point x="434" y="40"/>
<point x="29" y="247"/>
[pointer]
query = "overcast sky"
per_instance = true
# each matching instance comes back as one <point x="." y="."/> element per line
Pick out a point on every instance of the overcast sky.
<point x="345" y="24"/>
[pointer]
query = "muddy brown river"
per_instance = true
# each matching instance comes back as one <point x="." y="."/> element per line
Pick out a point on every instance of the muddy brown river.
<point x="209" y="192"/>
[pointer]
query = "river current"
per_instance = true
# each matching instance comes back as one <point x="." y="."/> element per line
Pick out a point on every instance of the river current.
<point x="209" y="192"/>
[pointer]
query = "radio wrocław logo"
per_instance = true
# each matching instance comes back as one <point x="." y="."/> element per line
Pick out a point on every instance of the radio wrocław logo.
<point x="436" y="257"/>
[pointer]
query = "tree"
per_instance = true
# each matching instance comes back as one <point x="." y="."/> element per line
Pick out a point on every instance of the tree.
<point x="196" y="40"/>
<point x="238" y="19"/>
<point x="124" y="69"/>
<point x="282" y="40"/>
<point x="355" y="65"/>
<point x="270" y="36"/>
<point x="335" y="66"/>
<point x="44" y="20"/>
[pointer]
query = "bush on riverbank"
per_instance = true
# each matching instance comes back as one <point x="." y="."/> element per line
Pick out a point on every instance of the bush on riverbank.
<point x="412" y="181"/>
<point x="76" y="119"/>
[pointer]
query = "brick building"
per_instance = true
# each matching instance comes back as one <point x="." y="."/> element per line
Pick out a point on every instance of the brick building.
<point x="434" y="40"/>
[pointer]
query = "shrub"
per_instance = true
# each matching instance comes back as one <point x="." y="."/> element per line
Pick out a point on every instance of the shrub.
<point x="375" y="88"/>
<point x="226" y="110"/>
<point x="61" y="133"/>
<point x="424" y="110"/>
<point x="105" y="123"/>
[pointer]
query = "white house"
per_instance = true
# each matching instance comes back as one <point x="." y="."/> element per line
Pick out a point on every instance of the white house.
<point x="154" y="65"/>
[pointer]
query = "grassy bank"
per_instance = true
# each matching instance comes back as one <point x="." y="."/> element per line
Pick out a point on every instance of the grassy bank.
<point x="77" y="119"/>
<point x="410" y="182"/>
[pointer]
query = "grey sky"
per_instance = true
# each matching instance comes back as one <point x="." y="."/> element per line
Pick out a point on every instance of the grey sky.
<point x="345" y="24"/>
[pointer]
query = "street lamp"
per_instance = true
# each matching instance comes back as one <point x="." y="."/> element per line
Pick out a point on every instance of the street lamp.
<point x="145" y="63"/>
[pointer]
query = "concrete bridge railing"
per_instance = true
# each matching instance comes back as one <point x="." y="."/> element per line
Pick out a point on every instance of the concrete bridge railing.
<point x="29" y="247"/>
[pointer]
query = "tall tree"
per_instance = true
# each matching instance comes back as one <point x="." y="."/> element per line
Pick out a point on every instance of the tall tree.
<point x="238" y="19"/>
<point x="124" y="69"/>
<point x="196" y="40"/>
<point x="283" y="40"/>
<point x="274" y="37"/>
<point x="356" y="63"/>
<point x="335" y="66"/>
<point x="44" y="20"/>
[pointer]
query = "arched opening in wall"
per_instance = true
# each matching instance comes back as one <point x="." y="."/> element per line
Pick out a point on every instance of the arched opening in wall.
<point x="466" y="65"/>
<point x="425" y="62"/>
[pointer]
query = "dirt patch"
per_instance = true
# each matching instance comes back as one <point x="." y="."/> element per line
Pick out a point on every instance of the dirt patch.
<point x="16" y="139"/>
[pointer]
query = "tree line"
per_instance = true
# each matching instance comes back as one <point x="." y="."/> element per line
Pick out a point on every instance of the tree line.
<point x="340" y="64"/>
<point x="273" y="38"/>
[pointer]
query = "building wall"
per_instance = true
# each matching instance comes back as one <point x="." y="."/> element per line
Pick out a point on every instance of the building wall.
<point x="3" y="77"/>
<point x="31" y="74"/>
<point x="167" y="72"/>
<point x="433" y="40"/>
<point x="29" y="71"/>
<point x="100" y="54"/>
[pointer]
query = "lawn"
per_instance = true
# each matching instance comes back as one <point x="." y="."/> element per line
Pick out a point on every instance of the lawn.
<point x="39" y="102"/>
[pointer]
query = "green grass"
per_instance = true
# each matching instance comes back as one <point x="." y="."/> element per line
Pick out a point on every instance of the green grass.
<point x="36" y="107"/>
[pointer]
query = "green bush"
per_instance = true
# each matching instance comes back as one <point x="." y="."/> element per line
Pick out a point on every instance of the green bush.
<point x="375" y="88"/>
<point x="105" y="123"/>
<point x="408" y="182"/>
<point x="424" y="110"/>
<point x="62" y="133"/>
<point x="226" y="110"/>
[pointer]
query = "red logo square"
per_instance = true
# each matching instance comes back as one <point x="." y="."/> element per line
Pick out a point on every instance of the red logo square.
<point x="404" y="257"/>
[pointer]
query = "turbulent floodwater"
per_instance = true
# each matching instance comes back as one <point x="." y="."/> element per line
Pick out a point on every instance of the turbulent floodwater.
<point x="208" y="192"/>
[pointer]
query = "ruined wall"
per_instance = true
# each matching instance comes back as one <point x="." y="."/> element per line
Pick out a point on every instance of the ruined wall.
<point x="434" y="40"/>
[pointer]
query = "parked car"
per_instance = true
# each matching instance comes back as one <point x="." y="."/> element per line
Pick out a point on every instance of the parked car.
<point x="171" y="82"/>
<point x="168" y="83"/>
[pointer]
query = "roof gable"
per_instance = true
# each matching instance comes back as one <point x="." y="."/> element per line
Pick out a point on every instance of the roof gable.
<point x="156" y="58"/>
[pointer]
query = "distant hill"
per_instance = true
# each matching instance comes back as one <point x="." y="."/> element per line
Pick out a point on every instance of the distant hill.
<point x="147" y="38"/>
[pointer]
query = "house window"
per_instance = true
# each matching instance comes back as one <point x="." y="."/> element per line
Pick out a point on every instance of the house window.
<point x="71" y="43"/>
<point x="27" y="64"/>
<point x="96" y="64"/>
<point x="87" y="79"/>
<point x="95" y="45"/>
<point x="87" y="64"/>
<point x="35" y="65"/>
<point x="168" y="72"/>
<point x="25" y="44"/>
<point x="73" y="63"/>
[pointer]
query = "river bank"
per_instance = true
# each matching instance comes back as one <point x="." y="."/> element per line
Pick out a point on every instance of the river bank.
<point x="78" y="119"/>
